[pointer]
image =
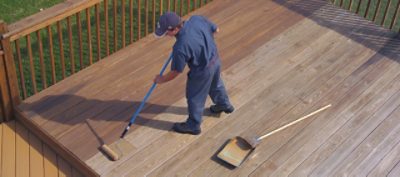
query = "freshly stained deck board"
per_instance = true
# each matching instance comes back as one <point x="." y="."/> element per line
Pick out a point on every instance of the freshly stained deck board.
<point x="36" y="155"/>
<point x="26" y="149"/>
<point x="281" y="60"/>
<point x="22" y="151"/>
<point x="9" y="150"/>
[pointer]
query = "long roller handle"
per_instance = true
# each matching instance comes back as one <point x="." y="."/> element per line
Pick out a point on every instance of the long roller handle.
<point x="144" y="100"/>
<point x="294" y="122"/>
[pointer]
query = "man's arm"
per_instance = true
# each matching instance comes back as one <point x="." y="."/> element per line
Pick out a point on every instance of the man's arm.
<point x="159" y="79"/>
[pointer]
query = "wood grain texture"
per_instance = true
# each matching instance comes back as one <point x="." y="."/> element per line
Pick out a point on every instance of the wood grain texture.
<point x="302" y="55"/>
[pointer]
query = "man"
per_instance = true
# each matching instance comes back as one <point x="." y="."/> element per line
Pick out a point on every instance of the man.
<point x="194" y="46"/>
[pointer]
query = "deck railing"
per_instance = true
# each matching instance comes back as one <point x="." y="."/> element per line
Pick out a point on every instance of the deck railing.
<point x="49" y="46"/>
<point x="385" y="13"/>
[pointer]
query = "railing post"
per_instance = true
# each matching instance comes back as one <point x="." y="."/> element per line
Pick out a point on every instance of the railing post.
<point x="9" y="92"/>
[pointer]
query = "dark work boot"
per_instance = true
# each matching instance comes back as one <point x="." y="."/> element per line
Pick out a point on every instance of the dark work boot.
<point x="218" y="109"/>
<point x="184" y="128"/>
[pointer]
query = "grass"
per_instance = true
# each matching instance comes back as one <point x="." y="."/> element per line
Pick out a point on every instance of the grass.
<point x="14" y="10"/>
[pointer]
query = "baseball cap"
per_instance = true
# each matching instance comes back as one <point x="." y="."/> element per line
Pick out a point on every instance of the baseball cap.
<point x="167" y="21"/>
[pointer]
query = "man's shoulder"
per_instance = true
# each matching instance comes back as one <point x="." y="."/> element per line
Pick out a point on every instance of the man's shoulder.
<point x="196" y="18"/>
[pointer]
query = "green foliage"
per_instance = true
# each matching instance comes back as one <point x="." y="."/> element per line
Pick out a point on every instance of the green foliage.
<point x="14" y="10"/>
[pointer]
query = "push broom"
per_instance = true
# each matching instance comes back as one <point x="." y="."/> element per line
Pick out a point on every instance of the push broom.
<point x="105" y="148"/>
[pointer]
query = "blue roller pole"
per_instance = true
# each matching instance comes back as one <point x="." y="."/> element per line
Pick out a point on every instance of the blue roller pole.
<point x="144" y="99"/>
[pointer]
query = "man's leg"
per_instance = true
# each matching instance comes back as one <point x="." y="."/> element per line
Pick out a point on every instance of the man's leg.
<point x="219" y="95"/>
<point x="197" y="89"/>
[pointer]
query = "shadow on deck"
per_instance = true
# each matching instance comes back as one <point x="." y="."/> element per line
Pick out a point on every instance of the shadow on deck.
<point x="94" y="105"/>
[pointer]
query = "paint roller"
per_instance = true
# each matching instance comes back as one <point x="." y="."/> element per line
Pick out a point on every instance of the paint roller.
<point x="105" y="148"/>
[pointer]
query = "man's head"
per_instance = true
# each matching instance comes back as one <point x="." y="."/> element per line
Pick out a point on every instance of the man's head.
<point x="168" y="24"/>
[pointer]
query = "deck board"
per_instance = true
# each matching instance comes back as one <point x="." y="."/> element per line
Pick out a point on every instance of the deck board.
<point x="22" y="151"/>
<point x="387" y="163"/>
<point x="8" y="150"/>
<point x="281" y="59"/>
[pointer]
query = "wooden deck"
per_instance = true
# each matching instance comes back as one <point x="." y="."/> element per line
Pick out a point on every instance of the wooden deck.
<point x="281" y="60"/>
<point x="23" y="154"/>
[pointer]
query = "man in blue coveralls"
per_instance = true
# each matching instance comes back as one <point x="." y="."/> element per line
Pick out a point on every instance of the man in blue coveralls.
<point x="194" y="46"/>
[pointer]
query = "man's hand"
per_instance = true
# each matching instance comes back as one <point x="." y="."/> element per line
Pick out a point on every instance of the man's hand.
<point x="159" y="79"/>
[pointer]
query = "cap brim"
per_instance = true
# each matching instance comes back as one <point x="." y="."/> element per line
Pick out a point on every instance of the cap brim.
<point x="160" y="33"/>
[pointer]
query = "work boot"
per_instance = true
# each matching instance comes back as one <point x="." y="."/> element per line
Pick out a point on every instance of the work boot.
<point x="184" y="128"/>
<point x="218" y="109"/>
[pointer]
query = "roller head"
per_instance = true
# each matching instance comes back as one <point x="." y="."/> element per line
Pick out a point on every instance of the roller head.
<point x="109" y="152"/>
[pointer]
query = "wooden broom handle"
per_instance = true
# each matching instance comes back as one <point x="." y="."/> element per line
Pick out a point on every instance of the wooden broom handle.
<point x="294" y="122"/>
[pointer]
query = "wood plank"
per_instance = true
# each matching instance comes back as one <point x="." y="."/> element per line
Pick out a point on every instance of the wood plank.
<point x="41" y="60"/>
<point x="92" y="87"/>
<point x="357" y="111"/>
<point x="8" y="157"/>
<point x="364" y="103"/>
<point x="327" y="80"/>
<point x="311" y="58"/>
<point x="105" y="10"/>
<point x="100" y="108"/>
<point x="31" y="63"/>
<point x="265" y="68"/>
<point x="22" y="151"/>
<point x="50" y="161"/>
<point x="89" y="36"/>
<point x="98" y="36"/>
<point x="36" y="156"/>
<point x="51" y="53"/>
<point x="20" y="70"/>
<point x="76" y="173"/>
<point x="79" y="26"/>
<point x="232" y="80"/>
<point x="64" y="168"/>
<point x="10" y="70"/>
<point x="387" y="163"/>
<point x="297" y="108"/>
<point x="60" y="45"/>
<point x="61" y="150"/>
<point x="1" y="145"/>
<point x="47" y="17"/>
<point x="286" y="162"/>
<point x="382" y="139"/>
<point x="71" y="48"/>
<point x="137" y="141"/>
<point x="350" y="143"/>
<point x="395" y="171"/>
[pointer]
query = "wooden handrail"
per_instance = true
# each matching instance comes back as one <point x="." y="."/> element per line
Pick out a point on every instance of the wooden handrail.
<point x="8" y="78"/>
<point x="47" y="17"/>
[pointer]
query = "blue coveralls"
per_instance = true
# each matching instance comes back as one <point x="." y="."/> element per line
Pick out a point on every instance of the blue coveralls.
<point x="196" y="47"/>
